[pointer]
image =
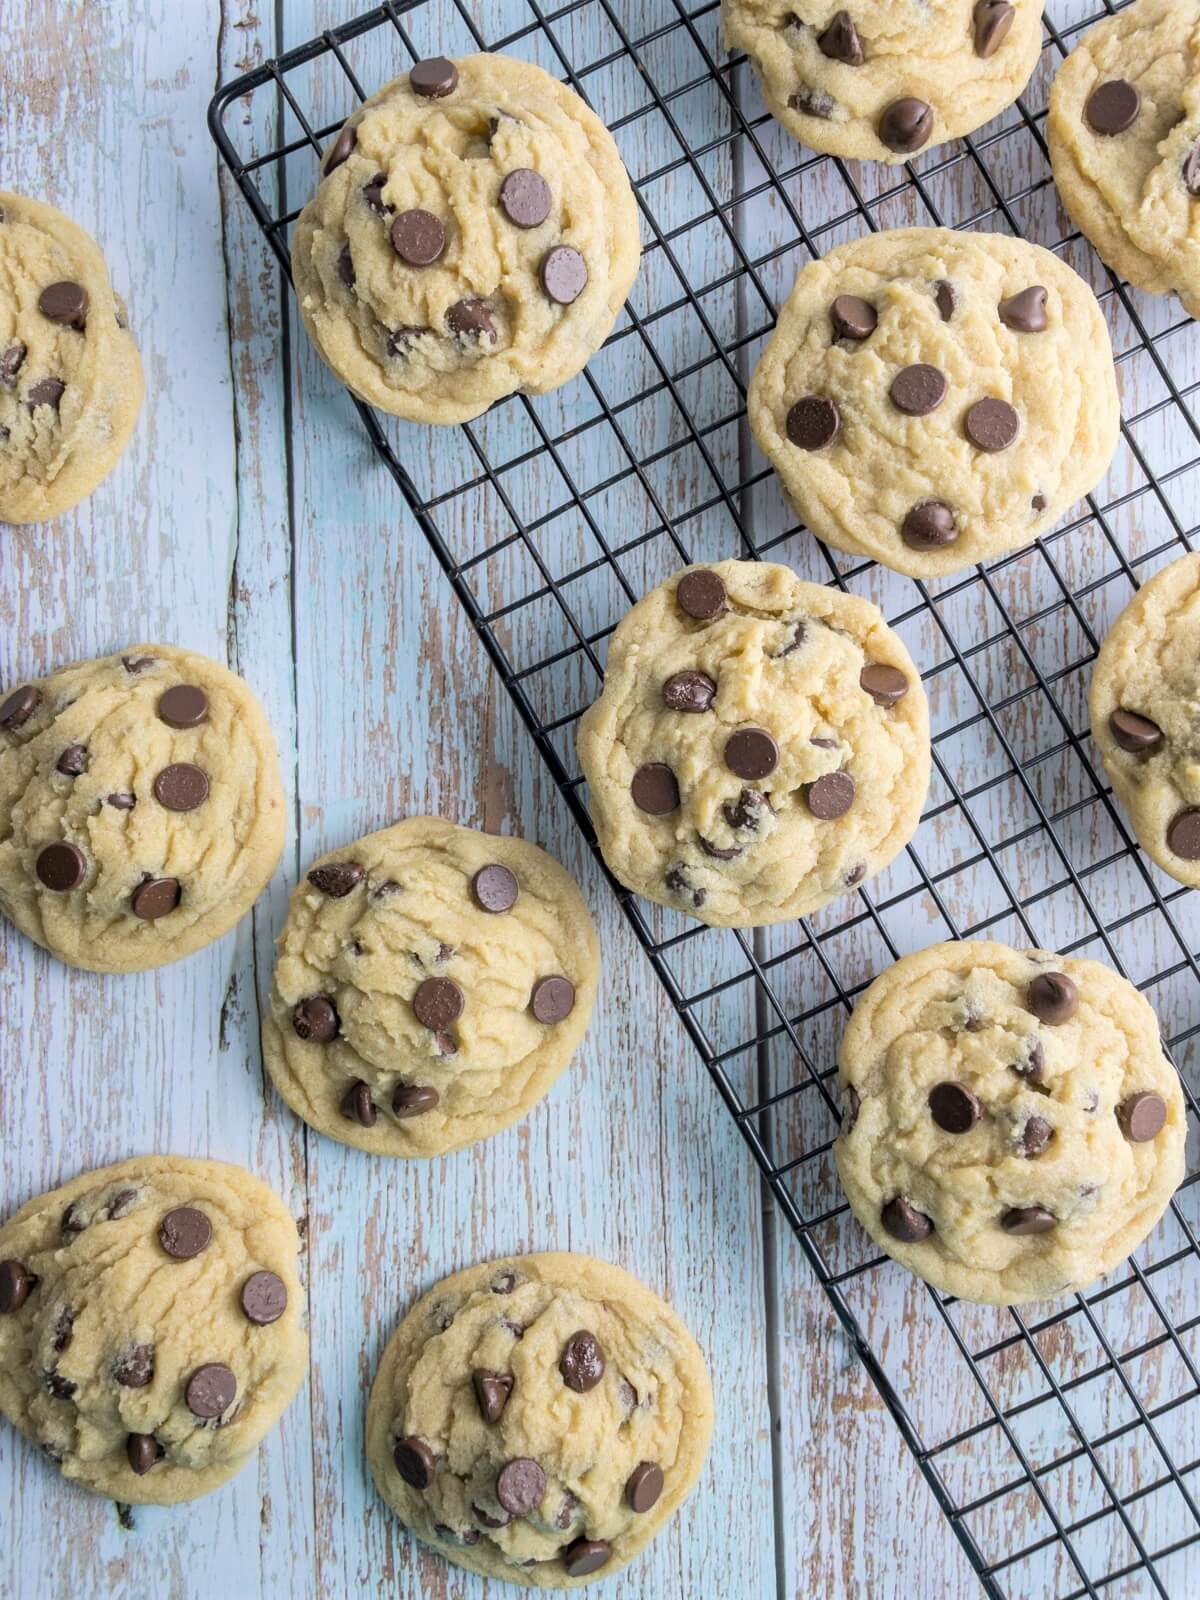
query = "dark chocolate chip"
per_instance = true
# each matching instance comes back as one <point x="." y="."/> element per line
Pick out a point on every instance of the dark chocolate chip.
<point x="628" y="1396"/>
<point x="504" y="1282"/>
<point x="61" y="867"/>
<point x="1134" y="733"/>
<point x="525" y="198"/>
<point x="155" y="897"/>
<point x="701" y="594"/>
<point x="64" y="1326"/>
<point x="813" y="422"/>
<point x="336" y="878"/>
<point x="584" y="1556"/>
<point x="856" y="875"/>
<point x="797" y="636"/>
<point x="582" y="1362"/>
<point x="992" y="425"/>
<point x="373" y="193"/>
<point x="852" y="317"/>
<point x="17" y="1283"/>
<point x="831" y="796"/>
<point x="918" y="390"/>
<point x="906" y="125"/>
<point x="840" y="41"/>
<point x="993" y="21"/>
<point x="446" y="1042"/>
<point x="676" y="879"/>
<point x="886" y="685"/>
<point x="438" y="1002"/>
<point x="953" y="1107"/>
<point x="264" y="1298"/>
<point x="719" y="852"/>
<point x="414" y="1100"/>
<point x="487" y="1519"/>
<point x="345" y="267"/>
<point x="184" y="706"/>
<point x="1112" y="107"/>
<point x="20" y="706"/>
<point x="520" y="1486"/>
<point x="904" y="1222"/>
<point x="1034" y="1066"/>
<point x="72" y="1222"/>
<point x="10" y="364"/>
<point x="492" y="1390"/>
<point x="143" y="1451"/>
<point x="418" y="237"/>
<point x="813" y="102"/>
<point x="1183" y="836"/>
<point x="746" y="812"/>
<point x="567" y="1512"/>
<point x="315" y="1020"/>
<point x="1039" y="502"/>
<point x="1053" y="998"/>
<point x="654" y="789"/>
<point x="415" y="1462"/>
<point x="73" y="762"/>
<point x="1025" y="312"/>
<point x="471" y="319"/>
<point x="340" y="149"/>
<point x="946" y="296"/>
<point x="185" y="1232"/>
<point x="691" y="691"/>
<point x="1142" y="1116"/>
<point x="45" y="392"/>
<point x="434" y="79"/>
<point x="552" y="1000"/>
<point x="122" y="1203"/>
<point x="929" y="526"/>
<point x="495" y="888"/>
<point x="1028" y="1219"/>
<point x="564" y="274"/>
<point x="853" y="1107"/>
<point x="1035" y="1136"/>
<point x="643" y="1486"/>
<point x="751" y="753"/>
<point x="358" y="1105"/>
<point x="1191" y="181"/>
<point x="211" y="1390"/>
<point x="59" y="1387"/>
<point x="65" y="302"/>
<point x="181" y="787"/>
<point x="136" y="665"/>
<point x="135" y="1368"/>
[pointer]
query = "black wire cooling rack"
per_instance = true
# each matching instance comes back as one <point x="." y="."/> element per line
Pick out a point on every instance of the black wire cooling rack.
<point x="1066" y="1455"/>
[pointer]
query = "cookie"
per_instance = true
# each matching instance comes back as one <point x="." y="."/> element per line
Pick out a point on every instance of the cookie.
<point x="141" y="808"/>
<point x="150" y="1325"/>
<point x="70" y="375"/>
<point x="431" y="984"/>
<point x="1013" y="1127"/>
<point x="539" y="1419"/>
<point x="474" y="235"/>
<point x="881" y="80"/>
<point x="760" y="747"/>
<point x="1145" y="707"/>
<point x="933" y="399"/>
<point x="1124" y="135"/>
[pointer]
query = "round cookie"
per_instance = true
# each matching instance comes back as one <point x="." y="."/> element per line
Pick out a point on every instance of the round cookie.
<point x="474" y="234"/>
<point x="70" y="375"/>
<point x="933" y="399"/>
<point x="1013" y="1126"/>
<point x="150" y="1325"/>
<point x="431" y="984"/>
<point x="539" y="1419"/>
<point x="1124" y="135"/>
<point x="1145" y="707"/>
<point x="882" y="80"/>
<point x="761" y="745"/>
<point x="141" y="808"/>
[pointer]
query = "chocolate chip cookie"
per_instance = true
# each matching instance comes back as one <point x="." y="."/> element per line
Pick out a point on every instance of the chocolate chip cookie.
<point x="431" y="984"/>
<point x="761" y="745"/>
<point x="933" y="399"/>
<point x="1146" y="716"/>
<point x="1013" y="1127"/>
<point x="141" y="808"/>
<point x="1124" y="135"/>
<point x="70" y="375"/>
<point x="881" y="80"/>
<point x="474" y="234"/>
<point x="539" y="1419"/>
<point x="150" y="1325"/>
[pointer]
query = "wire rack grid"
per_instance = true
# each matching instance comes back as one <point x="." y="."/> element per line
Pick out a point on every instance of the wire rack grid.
<point x="1066" y="1456"/>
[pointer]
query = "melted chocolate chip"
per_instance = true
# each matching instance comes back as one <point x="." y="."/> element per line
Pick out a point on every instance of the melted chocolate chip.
<point x="73" y="762"/>
<point x="929" y="526"/>
<point x="1028" y="1219"/>
<point x="1035" y="1136"/>
<point x="492" y="1390"/>
<point x="946" y="297"/>
<point x="1183" y="836"/>
<point x="315" y="1020"/>
<point x="853" y="317"/>
<point x="840" y="41"/>
<point x="17" y="1283"/>
<point x="19" y="707"/>
<point x="582" y="1362"/>
<point x="418" y="238"/>
<point x="1025" y="312"/>
<point x="1136" y="734"/>
<point x="471" y="319"/>
<point x="993" y="20"/>
<point x="135" y="1368"/>
<point x="143" y="1451"/>
<point x="1052" y="998"/>
<point x="358" y="1105"/>
<point x="689" y="691"/>
<point x="906" y="125"/>
<point x="584" y="1556"/>
<point x="954" y="1107"/>
<point x="65" y="302"/>
<point x="904" y="1222"/>
<point x="746" y="812"/>
<point x="336" y="878"/>
<point x="414" y="1100"/>
<point x="415" y="1462"/>
<point x="340" y="149"/>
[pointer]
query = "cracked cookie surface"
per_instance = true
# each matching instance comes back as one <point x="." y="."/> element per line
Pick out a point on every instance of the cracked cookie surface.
<point x="539" y="1418"/>
<point x="141" y="807"/>
<point x="70" y="374"/>
<point x="431" y="983"/>
<point x="933" y="399"/>
<point x="1013" y="1127"/>
<point x="761" y="745"/>
<point x="150" y="1325"/>
<point x="474" y="234"/>
<point x="1145" y="707"/>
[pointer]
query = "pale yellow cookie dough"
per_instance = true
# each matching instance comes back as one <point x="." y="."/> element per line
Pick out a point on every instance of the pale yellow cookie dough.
<point x="686" y="814"/>
<point x="441" y="342"/>
<point x="407" y="1019"/>
<point x="883" y="80"/>
<point x="70" y="390"/>
<point x="1067" y="1120"/>
<point x="595" y="1442"/>
<point x="1146" y="716"/>
<point x="1135" y="192"/>
<point x="160" y="837"/>
<point x="885" y="465"/>
<point x="116" y="1290"/>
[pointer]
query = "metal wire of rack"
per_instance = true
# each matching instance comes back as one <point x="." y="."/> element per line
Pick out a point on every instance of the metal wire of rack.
<point x="1070" y="1467"/>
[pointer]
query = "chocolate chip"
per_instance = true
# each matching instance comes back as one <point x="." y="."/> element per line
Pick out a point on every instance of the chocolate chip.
<point x="567" y="1512"/>
<point x="654" y="789"/>
<point x="852" y="317"/>
<point x="992" y="425"/>
<point x="1039" y="502"/>
<point x="1035" y="1136"/>
<point x="552" y="1000"/>
<point x="929" y="526"/>
<point x="73" y="1223"/>
<point x="61" y="867"/>
<point x="336" y="878"/>
<point x="155" y="897"/>
<point x="143" y="1451"/>
<point x="856" y="875"/>
<point x="853" y="1107"/>
<point x="1053" y="998"/>
<point x="345" y="267"/>
<point x="61" y="1388"/>
<point x="136" y="665"/>
<point x="906" y="125"/>
<point x="373" y="193"/>
<point x="211" y="1389"/>
<point x="1112" y="107"/>
<point x="690" y="691"/>
<point x="438" y="1002"/>
<point x="10" y="364"/>
<point x="751" y="753"/>
<point x="504" y="1282"/>
<point x="123" y="1202"/>
<point x="953" y="1107"/>
<point x="1028" y="1219"/>
<point x="813" y="102"/>
<point x="946" y="297"/>
<point x="495" y="888"/>
<point x="358" y="1105"/>
<point x="135" y="1369"/>
<point x="64" y="1326"/>
<point x="677" y="881"/>
<point x="520" y="1486"/>
<point x="582" y="1362"/>
<point x="1183" y="836"/>
<point x="181" y="787"/>
<point x="315" y="1020"/>
<point x="1142" y="1116"/>
<point x="340" y="149"/>
<point x="66" y="303"/>
<point x="184" y="706"/>
<point x="717" y="852"/>
<point x="1025" y="312"/>
<point x="487" y="1519"/>
<point x="264" y="1298"/>
<point x="185" y="1232"/>
<point x="20" y="706"/>
<point x="840" y="41"/>
<point x="904" y="1222"/>
<point x="584" y="1556"/>
<point x="831" y="796"/>
<point x="1134" y="733"/>
<point x="701" y="594"/>
<point x="399" y="340"/>
<point x="564" y="274"/>
<point x="886" y="685"/>
<point x="418" y="237"/>
<point x="73" y="762"/>
<point x="1191" y="175"/>
<point x="492" y="1390"/>
<point x="918" y="390"/>
<point x="1034" y="1066"/>
<point x="813" y="422"/>
<point x="628" y="1397"/>
<point x="795" y="639"/>
<point x="525" y="198"/>
<point x="414" y="1100"/>
<point x="17" y="1283"/>
<point x="746" y="812"/>
<point x="446" y="1042"/>
<point x="471" y="319"/>
<point x="643" y="1486"/>
<point x="434" y="79"/>
<point x="45" y="392"/>
<point x="993" y="21"/>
